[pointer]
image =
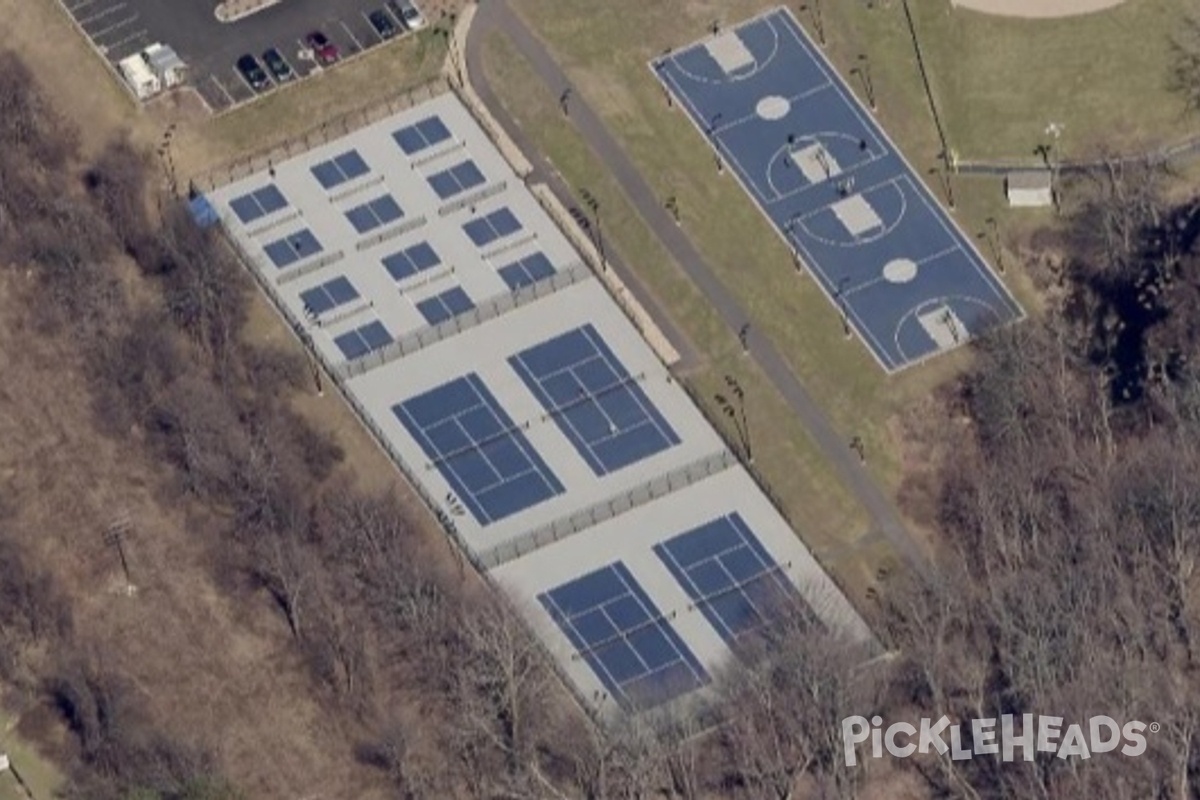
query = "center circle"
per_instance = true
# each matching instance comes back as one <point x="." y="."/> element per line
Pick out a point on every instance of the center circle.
<point x="900" y="270"/>
<point x="773" y="107"/>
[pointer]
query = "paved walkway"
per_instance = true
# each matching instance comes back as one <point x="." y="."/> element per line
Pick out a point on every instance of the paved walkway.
<point x="495" y="15"/>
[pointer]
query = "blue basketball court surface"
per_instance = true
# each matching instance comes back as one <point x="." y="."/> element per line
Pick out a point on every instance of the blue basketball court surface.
<point x="474" y="444"/>
<point x="632" y="648"/>
<point x="848" y="204"/>
<point x="597" y="405"/>
<point x="729" y="576"/>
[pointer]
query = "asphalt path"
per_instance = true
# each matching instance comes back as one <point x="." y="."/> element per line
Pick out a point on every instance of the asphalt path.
<point x="496" y="16"/>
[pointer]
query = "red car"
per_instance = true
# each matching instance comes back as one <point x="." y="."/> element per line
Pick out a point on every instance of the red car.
<point x="325" y="50"/>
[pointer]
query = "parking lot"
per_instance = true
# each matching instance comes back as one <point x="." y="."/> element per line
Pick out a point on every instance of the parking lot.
<point x="119" y="28"/>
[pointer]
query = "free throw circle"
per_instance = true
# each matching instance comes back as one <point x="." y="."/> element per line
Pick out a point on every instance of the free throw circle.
<point x="773" y="107"/>
<point x="900" y="270"/>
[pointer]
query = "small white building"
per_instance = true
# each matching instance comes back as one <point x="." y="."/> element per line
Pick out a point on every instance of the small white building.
<point x="1032" y="188"/>
<point x="4" y="765"/>
<point x="141" y="79"/>
<point x="166" y="64"/>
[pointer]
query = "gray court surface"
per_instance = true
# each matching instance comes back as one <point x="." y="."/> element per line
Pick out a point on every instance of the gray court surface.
<point x="843" y="197"/>
<point x="119" y="28"/>
<point x="532" y="416"/>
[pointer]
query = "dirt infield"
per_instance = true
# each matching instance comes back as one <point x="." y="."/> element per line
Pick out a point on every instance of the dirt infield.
<point x="1036" y="9"/>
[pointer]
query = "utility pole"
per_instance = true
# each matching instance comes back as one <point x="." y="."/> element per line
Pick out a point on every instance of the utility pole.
<point x="114" y="536"/>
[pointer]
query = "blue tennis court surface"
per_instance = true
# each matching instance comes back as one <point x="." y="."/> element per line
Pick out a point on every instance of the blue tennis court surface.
<point x="594" y="400"/>
<point x="455" y="180"/>
<point x="259" y="203"/>
<point x="290" y="249"/>
<point x="422" y="134"/>
<point x="817" y="164"/>
<point x="729" y="576"/>
<point x="530" y="269"/>
<point x="624" y="638"/>
<point x="479" y="451"/>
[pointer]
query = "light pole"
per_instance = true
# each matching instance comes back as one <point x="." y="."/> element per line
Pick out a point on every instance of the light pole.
<point x="449" y="30"/>
<point x="593" y="204"/>
<point x="672" y="205"/>
<point x="737" y="413"/>
<point x="818" y="22"/>
<point x="993" y="236"/>
<point x="863" y="71"/>
<point x="942" y="171"/>
<point x="840" y="297"/>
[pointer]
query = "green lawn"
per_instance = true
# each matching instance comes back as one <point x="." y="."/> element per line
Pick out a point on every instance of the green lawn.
<point x="43" y="777"/>
<point x="828" y="518"/>
<point x="1103" y="76"/>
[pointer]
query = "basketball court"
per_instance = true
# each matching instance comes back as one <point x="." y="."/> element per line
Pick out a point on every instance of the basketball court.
<point x="852" y="210"/>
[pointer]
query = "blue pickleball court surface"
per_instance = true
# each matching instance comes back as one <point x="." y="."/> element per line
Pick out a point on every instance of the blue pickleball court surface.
<point x="906" y="278"/>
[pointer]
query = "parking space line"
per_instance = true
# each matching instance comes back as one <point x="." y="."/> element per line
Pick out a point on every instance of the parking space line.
<point x="224" y="91"/>
<point x="371" y="27"/>
<point x="104" y="13"/>
<point x="104" y="32"/>
<point x="350" y="33"/>
<point x="131" y="37"/>
<point x="75" y="8"/>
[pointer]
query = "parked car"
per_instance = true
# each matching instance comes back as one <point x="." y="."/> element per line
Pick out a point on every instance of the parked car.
<point x="325" y="50"/>
<point x="407" y="12"/>
<point x="381" y="21"/>
<point x="253" y="72"/>
<point x="277" y="65"/>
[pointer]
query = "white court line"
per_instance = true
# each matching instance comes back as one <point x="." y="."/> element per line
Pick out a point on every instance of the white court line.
<point x="816" y="137"/>
<point x="104" y="13"/>
<point x="923" y="191"/>
<point x="753" y="116"/>
<point x="793" y="245"/>
<point x="919" y="262"/>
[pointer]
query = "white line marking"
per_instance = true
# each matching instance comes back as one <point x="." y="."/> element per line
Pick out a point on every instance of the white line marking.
<point x="350" y="33"/>
<point x="104" y="13"/>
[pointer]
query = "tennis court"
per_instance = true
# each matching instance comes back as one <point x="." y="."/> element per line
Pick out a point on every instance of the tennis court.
<point x="618" y="631"/>
<point x="594" y="400"/>
<point x="479" y="451"/>
<point x="849" y="206"/>
<point x="729" y="576"/>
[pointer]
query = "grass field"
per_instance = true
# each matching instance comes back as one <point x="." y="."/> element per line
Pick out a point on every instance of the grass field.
<point x="1103" y="76"/>
<point x="39" y="774"/>
<point x="819" y="507"/>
